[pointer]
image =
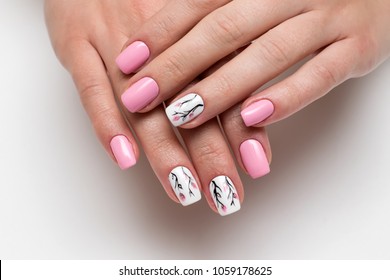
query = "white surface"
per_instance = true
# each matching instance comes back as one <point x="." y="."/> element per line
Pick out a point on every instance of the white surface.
<point x="327" y="197"/>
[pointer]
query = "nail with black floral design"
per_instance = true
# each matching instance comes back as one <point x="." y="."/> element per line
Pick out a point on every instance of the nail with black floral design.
<point x="184" y="185"/>
<point x="185" y="109"/>
<point x="224" y="195"/>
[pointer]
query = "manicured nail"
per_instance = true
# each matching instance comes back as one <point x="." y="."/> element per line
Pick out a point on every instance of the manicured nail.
<point x="254" y="158"/>
<point x="123" y="151"/>
<point x="185" y="109"/>
<point x="184" y="185"/>
<point x="140" y="94"/>
<point x="257" y="112"/>
<point x="133" y="57"/>
<point x="224" y="195"/>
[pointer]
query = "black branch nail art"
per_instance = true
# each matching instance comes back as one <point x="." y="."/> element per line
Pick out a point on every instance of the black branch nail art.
<point x="217" y="194"/>
<point x="224" y="193"/>
<point x="176" y="180"/>
<point x="186" y="108"/>
<point x="232" y="194"/>
<point x="190" y="183"/>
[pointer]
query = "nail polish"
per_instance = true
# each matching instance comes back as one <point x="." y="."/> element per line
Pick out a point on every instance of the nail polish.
<point x="140" y="94"/>
<point x="257" y="112"/>
<point x="185" y="109"/>
<point x="133" y="57"/>
<point x="224" y="195"/>
<point x="254" y="159"/>
<point x="123" y="151"/>
<point x="184" y="185"/>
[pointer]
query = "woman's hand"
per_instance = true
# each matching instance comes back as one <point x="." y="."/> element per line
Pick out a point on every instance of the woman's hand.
<point x="87" y="36"/>
<point x="342" y="38"/>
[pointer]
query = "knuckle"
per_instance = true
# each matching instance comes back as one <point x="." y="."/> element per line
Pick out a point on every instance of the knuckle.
<point x="211" y="153"/>
<point x="275" y="52"/>
<point x="104" y="118"/>
<point x="202" y="5"/>
<point x="325" y="73"/>
<point x="174" y="67"/>
<point x="161" y="147"/>
<point x="224" y="84"/>
<point x="162" y="29"/>
<point x="297" y="94"/>
<point x="366" y="45"/>
<point x="226" y="28"/>
<point x="205" y="5"/>
<point x="157" y="143"/>
<point x="90" y="91"/>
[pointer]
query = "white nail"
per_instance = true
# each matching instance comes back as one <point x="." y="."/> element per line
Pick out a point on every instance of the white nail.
<point x="184" y="185"/>
<point x="225" y="195"/>
<point x="185" y="109"/>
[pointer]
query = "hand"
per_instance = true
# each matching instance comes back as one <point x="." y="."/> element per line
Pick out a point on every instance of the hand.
<point x="342" y="38"/>
<point x="87" y="35"/>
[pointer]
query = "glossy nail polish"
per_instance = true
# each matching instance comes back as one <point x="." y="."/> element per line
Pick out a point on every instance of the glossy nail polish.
<point x="123" y="151"/>
<point x="140" y="94"/>
<point x="185" y="109"/>
<point x="224" y="195"/>
<point x="133" y="57"/>
<point x="184" y="185"/>
<point x="254" y="159"/>
<point x="257" y="112"/>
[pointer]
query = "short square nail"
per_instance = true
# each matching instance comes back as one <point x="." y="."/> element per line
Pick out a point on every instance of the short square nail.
<point x="133" y="57"/>
<point x="224" y="195"/>
<point x="123" y="151"/>
<point x="257" y="112"/>
<point x="254" y="159"/>
<point x="184" y="185"/>
<point x="185" y="109"/>
<point x="140" y="94"/>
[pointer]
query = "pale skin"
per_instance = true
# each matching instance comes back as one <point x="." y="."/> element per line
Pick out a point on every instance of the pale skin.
<point x="341" y="39"/>
<point x="87" y="36"/>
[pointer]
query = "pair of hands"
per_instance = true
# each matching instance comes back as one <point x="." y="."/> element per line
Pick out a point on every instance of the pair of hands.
<point x="190" y="47"/>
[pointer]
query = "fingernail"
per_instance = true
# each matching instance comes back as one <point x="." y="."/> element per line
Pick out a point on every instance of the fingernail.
<point x="257" y="112"/>
<point x="123" y="151"/>
<point x="184" y="185"/>
<point x="133" y="57"/>
<point x="224" y="195"/>
<point x="185" y="109"/>
<point x="140" y="94"/>
<point x="254" y="158"/>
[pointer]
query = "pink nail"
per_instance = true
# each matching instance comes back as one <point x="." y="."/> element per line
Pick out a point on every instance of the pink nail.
<point x="257" y="112"/>
<point x="133" y="57"/>
<point x="140" y="94"/>
<point x="254" y="158"/>
<point x="123" y="151"/>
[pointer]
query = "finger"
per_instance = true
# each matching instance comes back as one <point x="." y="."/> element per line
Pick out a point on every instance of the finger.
<point x="211" y="156"/>
<point x="329" y="68"/>
<point x="217" y="35"/>
<point x="166" y="155"/>
<point x="250" y="145"/>
<point x="264" y="59"/>
<point x="163" y="30"/>
<point x="89" y="75"/>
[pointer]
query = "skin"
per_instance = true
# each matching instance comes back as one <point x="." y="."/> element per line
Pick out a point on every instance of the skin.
<point x="341" y="39"/>
<point x="87" y="36"/>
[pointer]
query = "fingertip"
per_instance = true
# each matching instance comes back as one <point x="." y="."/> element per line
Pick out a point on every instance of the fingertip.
<point x="123" y="151"/>
<point x="133" y="57"/>
<point x="257" y="112"/>
<point x="254" y="158"/>
<point x="140" y="94"/>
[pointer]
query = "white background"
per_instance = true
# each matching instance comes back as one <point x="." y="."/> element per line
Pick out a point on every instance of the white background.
<point x="61" y="197"/>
